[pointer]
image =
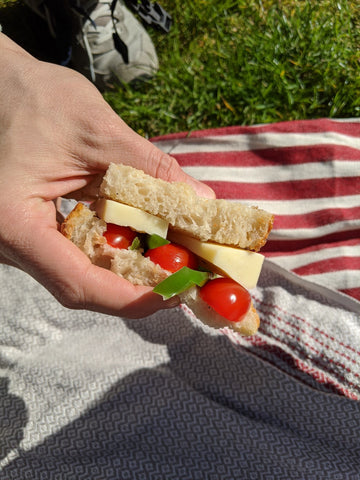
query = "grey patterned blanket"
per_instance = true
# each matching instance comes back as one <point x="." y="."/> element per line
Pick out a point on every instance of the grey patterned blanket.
<point x="88" y="396"/>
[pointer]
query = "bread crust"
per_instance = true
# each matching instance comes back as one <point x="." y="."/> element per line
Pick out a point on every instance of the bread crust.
<point x="84" y="229"/>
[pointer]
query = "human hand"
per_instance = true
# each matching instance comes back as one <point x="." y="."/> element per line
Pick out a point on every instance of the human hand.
<point x="57" y="134"/>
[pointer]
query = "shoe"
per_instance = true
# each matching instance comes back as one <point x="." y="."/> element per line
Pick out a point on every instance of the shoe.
<point x="108" y="43"/>
<point x="114" y="46"/>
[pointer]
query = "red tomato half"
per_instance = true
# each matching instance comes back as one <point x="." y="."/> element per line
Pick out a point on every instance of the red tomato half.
<point x="172" y="257"/>
<point x="119" y="237"/>
<point x="227" y="298"/>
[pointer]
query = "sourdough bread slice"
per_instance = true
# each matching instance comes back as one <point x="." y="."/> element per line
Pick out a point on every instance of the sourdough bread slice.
<point x="217" y="220"/>
<point x="86" y="230"/>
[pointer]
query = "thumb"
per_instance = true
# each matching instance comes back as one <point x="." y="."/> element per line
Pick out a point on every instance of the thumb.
<point x="132" y="149"/>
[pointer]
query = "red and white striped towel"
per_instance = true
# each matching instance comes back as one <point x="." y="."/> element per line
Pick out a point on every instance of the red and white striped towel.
<point x="308" y="174"/>
<point x="305" y="172"/>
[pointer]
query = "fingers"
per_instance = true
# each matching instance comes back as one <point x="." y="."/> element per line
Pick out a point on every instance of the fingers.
<point x="146" y="156"/>
<point x="166" y="167"/>
<point x="6" y="42"/>
<point x="78" y="284"/>
<point x="123" y="145"/>
<point x="116" y="296"/>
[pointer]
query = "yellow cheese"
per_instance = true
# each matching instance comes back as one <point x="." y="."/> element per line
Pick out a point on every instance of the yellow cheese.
<point x="242" y="266"/>
<point x="126" y="216"/>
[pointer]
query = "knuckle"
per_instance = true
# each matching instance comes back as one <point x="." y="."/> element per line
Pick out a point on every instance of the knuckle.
<point x="163" y="165"/>
<point x="70" y="296"/>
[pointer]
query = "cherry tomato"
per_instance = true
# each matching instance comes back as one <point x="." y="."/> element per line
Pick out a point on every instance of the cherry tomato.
<point x="172" y="257"/>
<point x="119" y="237"/>
<point x="227" y="298"/>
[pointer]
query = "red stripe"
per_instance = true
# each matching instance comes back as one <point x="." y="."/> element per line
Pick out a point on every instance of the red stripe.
<point x="316" y="219"/>
<point x="269" y="156"/>
<point x="298" y="320"/>
<point x="298" y="126"/>
<point x="323" y="378"/>
<point x="335" y="264"/>
<point x="289" y="190"/>
<point x="352" y="292"/>
<point x="300" y="369"/>
<point x="321" y="360"/>
<point x="296" y="244"/>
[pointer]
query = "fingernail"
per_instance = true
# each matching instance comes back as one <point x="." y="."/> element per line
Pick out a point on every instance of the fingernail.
<point x="172" y="302"/>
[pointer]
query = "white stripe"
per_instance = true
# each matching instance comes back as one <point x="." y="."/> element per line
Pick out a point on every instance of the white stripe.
<point x="278" y="173"/>
<point x="302" y="206"/>
<point x="303" y="233"/>
<point x="246" y="142"/>
<point x="346" y="120"/>
<point x="301" y="259"/>
<point x="338" y="280"/>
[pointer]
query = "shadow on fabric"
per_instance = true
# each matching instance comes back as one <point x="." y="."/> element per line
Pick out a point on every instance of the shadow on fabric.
<point x="14" y="417"/>
<point x="209" y="412"/>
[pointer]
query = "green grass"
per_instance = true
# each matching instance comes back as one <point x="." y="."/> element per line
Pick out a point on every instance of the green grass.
<point x="248" y="62"/>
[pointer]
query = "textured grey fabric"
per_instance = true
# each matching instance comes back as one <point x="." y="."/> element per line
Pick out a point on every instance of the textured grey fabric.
<point x="84" y="395"/>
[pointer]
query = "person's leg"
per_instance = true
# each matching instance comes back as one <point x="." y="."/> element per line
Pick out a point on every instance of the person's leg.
<point x="102" y="43"/>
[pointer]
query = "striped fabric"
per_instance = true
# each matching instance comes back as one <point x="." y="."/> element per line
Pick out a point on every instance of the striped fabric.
<point x="306" y="172"/>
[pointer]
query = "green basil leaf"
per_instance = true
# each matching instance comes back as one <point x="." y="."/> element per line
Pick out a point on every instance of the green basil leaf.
<point x="136" y="244"/>
<point x="180" y="281"/>
<point x="154" y="241"/>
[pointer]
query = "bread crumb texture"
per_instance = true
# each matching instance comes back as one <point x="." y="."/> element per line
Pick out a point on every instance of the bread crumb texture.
<point x="217" y="220"/>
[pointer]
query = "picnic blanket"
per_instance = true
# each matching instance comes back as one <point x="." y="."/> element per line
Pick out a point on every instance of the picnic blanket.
<point x="89" y="396"/>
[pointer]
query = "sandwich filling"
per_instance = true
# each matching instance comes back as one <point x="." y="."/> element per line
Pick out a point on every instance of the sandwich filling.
<point x="223" y="274"/>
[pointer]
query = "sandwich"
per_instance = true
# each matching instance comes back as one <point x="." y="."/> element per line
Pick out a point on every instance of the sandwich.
<point x="161" y="234"/>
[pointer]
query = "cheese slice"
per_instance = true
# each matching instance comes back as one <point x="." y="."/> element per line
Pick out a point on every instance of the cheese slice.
<point x="242" y="266"/>
<point x="126" y="216"/>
